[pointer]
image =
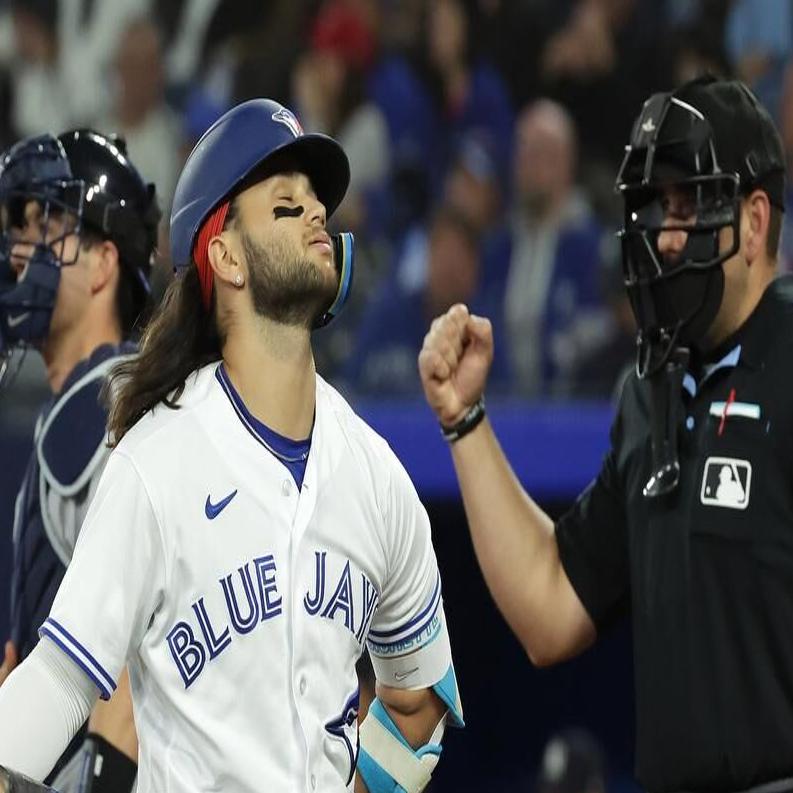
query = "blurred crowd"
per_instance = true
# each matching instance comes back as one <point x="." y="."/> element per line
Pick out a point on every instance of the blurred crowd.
<point x="483" y="136"/>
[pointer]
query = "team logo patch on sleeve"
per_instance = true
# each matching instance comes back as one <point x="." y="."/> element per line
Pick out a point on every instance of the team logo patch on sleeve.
<point x="726" y="482"/>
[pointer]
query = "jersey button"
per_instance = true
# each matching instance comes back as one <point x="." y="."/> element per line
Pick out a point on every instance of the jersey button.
<point x="302" y="685"/>
<point x="286" y="488"/>
<point x="313" y="782"/>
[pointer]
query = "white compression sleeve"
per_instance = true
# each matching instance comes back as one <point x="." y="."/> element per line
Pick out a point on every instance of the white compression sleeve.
<point x="43" y="703"/>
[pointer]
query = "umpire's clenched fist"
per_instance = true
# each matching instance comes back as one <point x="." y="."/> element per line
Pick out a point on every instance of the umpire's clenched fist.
<point x="454" y="362"/>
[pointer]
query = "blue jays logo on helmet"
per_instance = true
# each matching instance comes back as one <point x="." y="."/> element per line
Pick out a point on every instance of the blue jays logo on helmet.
<point x="240" y="141"/>
<point x="285" y="116"/>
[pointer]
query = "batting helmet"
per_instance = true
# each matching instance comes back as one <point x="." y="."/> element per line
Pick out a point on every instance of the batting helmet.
<point x="242" y="139"/>
<point x="231" y="148"/>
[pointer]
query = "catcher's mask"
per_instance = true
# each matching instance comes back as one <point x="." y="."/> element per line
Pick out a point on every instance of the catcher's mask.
<point x="52" y="189"/>
<point x="41" y="206"/>
<point x="693" y="154"/>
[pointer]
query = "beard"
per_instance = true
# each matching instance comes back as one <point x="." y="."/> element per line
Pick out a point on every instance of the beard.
<point x="286" y="288"/>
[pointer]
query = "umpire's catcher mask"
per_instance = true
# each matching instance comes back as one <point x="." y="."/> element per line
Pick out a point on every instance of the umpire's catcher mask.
<point x="710" y="142"/>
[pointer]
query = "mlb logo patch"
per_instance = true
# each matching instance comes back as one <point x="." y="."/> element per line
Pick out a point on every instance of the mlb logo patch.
<point x="726" y="482"/>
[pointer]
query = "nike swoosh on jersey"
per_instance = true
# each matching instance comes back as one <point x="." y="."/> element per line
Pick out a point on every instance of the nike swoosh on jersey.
<point x="402" y="675"/>
<point x="18" y="319"/>
<point x="213" y="510"/>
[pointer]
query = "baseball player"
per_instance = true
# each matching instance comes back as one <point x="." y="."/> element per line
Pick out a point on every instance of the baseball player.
<point x="250" y="533"/>
<point x="688" y="527"/>
<point x="79" y="229"/>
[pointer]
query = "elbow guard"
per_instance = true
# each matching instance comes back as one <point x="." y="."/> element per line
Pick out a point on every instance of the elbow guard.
<point x="387" y="762"/>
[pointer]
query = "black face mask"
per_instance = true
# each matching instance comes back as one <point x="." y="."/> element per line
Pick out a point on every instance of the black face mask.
<point x="675" y="312"/>
<point x="672" y="182"/>
<point x="676" y="298"/>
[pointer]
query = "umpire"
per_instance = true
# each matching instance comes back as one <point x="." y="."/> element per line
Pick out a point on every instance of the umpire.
<point x="688" y="527"/>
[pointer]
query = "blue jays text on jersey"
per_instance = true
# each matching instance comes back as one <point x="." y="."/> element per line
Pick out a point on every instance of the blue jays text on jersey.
<point x="251" y="598"/>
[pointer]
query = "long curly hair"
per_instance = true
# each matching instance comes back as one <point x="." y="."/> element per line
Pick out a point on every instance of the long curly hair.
<point x="180" y="338"/>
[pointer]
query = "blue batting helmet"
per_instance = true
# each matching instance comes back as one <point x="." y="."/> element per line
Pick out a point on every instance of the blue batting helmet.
<point x="239" y="141"/>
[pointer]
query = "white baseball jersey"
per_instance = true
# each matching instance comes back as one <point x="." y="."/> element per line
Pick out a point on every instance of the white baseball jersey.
<point x="241" y="603"/>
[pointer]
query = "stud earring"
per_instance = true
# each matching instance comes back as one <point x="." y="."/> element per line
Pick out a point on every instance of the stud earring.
<point x="238" y="279"/>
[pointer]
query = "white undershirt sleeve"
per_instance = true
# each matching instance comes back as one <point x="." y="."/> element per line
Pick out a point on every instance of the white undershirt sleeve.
<point x="43" y="703"/>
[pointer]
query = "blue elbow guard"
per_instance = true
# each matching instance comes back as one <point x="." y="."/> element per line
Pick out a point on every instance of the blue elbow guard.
<point x="387" y="762"/>
<point x="447" y="691"/>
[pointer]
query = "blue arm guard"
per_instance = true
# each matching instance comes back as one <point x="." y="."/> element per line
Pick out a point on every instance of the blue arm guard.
<point x="387" y="763"/>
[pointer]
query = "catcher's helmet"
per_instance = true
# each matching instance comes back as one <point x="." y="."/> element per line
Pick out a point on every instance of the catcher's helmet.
<point x="85" y="180"/>
<point x="119" y="205"/>
<point x="231" y="148"/>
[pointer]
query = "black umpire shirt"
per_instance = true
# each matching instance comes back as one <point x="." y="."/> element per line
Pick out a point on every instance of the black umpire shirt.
<point x="706" y="572"/>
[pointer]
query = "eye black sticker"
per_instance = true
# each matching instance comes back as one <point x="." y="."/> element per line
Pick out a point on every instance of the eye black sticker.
<point x="288" y="212"/>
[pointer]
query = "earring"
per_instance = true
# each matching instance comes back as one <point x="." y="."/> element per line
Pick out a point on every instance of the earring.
<point x="238" y="279"/>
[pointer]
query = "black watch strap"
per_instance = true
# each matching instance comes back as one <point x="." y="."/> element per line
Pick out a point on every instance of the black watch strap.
<point x="467" y="423"/>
